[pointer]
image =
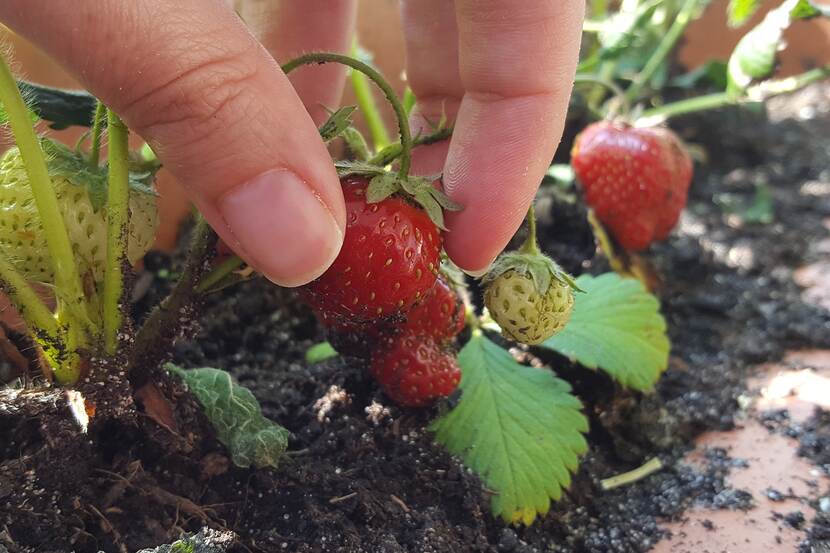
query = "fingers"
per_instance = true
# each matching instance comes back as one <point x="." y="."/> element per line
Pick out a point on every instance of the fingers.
<point x="517" y="66"/>
<point x="189" y="78"/>
<point x="288" y="28"/>
<point x="432" y="72"/>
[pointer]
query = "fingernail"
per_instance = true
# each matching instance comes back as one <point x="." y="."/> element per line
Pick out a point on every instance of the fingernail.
<point x="480" y="273"/>
<point x="283" y="228"/>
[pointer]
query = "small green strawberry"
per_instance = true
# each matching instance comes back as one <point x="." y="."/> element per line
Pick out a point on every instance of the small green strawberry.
<point x="22" y="239"/>
<point x="529" y="296"/>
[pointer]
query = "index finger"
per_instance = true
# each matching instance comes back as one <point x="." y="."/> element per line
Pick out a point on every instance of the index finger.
<point x="517" y="67"/>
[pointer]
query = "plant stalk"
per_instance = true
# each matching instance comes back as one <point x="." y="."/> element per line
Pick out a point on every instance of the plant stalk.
<point x="393" y="151"/>
<point x="531" y="245"/>
<point x="681" y="21"/>
<point x="68" y="288"/>
<point x="37" y="316"/>
<point x="756" y="93"/>
<point x="377" y="78"/>
<point x="218" y="273"/>
<point x="97" y="130"/>
<point x="118" y="216"/>
<point x="368" y="106"/>
<point x="165" y="322"/>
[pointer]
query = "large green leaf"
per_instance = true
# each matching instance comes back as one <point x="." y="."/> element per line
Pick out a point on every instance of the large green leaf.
<point x="234" y="412"/>
<point x="616" y="326"/>
<point x="519" y="428"/>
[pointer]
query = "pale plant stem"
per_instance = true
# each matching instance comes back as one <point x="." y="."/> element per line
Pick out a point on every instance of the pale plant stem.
<point x="118" y="215"/>
<point x="68" y="288"/>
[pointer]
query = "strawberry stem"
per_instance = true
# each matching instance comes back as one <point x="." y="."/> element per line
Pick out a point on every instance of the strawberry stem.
<point x="118" y="195"/>
<point x="97" y="130"/>
<point x="619" y="93"/>
<point x="368" y="106"/>
<point x="681" y="21"/>
<point x="27" y="302"/>
<point x="68" y="288"/>
<point x="165" y="322"/>
<point x="756" y="93"/>
<point x="377" y="78"/>
<point x="530" y="246"/>
<point x="393" y="151"/>
<point x="218" y="273"/>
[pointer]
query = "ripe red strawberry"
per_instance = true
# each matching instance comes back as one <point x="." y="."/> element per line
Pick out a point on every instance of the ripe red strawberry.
<point x="414" y="371"/>
<point x="636" y="179"/>
<point x="440" y="316"/>
<point x="389" y="260"/>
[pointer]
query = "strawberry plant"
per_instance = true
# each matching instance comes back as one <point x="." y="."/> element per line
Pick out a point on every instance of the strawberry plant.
<point x="634" y="173"/>
<point x="391" y="301"/>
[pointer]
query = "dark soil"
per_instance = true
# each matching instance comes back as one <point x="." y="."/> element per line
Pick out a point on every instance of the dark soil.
<point x="355" y="482"/>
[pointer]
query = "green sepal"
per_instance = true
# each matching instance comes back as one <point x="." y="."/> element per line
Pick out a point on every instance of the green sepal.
<point x="542" y="269"/>
<point x="337" y="123"/>
<point x="73" y="166"/>
<point x="381" y="187"/>
<point x="357" y="168"/>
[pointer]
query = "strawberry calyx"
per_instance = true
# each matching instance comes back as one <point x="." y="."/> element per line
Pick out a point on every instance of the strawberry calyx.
<point x="384" y="184"/>
<point x="72" y="165"/>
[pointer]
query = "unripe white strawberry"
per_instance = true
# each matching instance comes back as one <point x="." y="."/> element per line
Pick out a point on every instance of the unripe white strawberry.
<point x="23" y="241"/>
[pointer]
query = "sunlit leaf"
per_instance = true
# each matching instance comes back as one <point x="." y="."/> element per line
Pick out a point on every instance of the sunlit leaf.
<point x="519" y="428"/>
<point x="616" y="326"/>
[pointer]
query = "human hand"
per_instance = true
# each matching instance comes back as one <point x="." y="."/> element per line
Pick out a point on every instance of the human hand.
<point x="190" y="78"/>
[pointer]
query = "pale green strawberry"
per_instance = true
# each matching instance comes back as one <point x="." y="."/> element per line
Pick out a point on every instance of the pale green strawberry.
<point x="529" y="296"/>
<point x="22" y="239"/>
<point x="524" y="314"/>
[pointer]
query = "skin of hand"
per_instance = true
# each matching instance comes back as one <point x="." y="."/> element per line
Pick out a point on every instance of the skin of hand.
<point x="192" y="80"/>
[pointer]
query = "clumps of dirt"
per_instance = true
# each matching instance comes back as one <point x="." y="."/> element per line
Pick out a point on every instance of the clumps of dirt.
<point x="625" y="520"/>
<point x="814" y="439"/>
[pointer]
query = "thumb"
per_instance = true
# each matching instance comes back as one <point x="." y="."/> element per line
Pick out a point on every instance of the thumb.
<point x="189" y="78"/>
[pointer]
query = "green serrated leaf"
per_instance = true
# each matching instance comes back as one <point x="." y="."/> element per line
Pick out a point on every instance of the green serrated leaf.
<point x="337" y="122"/>
<point x="320" y="352"/>
<point x="362" y="168"/>
<point x="616" y="326"/>
<point x="382" y="186"/>
<point x="739" y="11"/>
<point x="251" y="439"/>
<point x="519" y="428"/>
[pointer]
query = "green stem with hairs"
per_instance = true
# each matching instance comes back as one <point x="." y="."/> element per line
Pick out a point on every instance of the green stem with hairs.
<point x="218" y="273"/>
<point x="164" y="324"/>
<point x="377" y="78"/>
<point x="393" y="151"/>
<point x="68" y="288"/>
<point x="619" y="93"/>
<point x="37" y="316"/>
<point x="531" y="245"/>
<point x="97" y="129"/>
<point x="756" y="93"/>
<point x="368" y="106"/>
<point x="681" y="21"/>
<point x="118" y="215"/>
